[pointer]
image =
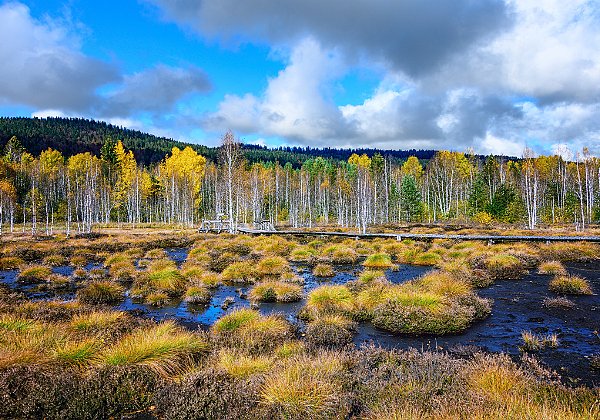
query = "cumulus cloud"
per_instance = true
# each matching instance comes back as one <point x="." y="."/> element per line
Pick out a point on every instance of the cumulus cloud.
<point x="414" y="36"/>
<point x="42" y="65"/>
<point x="294" y="105"/>
<point x="154" y="90"/>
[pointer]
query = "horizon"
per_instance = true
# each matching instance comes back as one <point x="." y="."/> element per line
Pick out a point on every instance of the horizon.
<point x="496" y="76"/>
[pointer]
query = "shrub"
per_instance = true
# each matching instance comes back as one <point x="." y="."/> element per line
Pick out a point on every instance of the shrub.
<point x="275" y="291"/>
<point x="101" y="292"/>
<point x="34" y="274"/>
<point x="553" y="268"/>
<point x="197" y="295"/>
<point x="323" y="270"/>
<point x="242" y="272"/>
<point x="378" y="261"/>
<point x="164" y="348"/>
<point x="570" y="285"/>
<point x="330" y="331"/>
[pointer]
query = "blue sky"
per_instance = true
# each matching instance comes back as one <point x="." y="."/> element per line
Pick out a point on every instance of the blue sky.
<point x="490" y="75"/>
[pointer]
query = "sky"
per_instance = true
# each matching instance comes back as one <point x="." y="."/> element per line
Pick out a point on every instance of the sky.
<point x="494" y="76"/>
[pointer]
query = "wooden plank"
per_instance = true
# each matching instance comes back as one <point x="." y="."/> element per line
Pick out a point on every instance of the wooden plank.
<point x="427" y="236"/>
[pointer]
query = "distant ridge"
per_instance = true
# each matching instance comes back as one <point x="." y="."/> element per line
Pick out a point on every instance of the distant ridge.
<point x="77" y="135"/>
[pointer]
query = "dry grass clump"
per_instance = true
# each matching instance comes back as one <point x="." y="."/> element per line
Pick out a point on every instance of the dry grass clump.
<point x="560" y="302"/>
<point x="534" y="342"/>
<point x="34" y="274"/>
<point x="306" y="388"/>
<point x="378" y="261"/>
<point x="302" y="254"/>
<point x="240" y="272"/>
<point x="571" y="251"/>
<point x="272" y="266"/>
<point x="247" y="329"/>
<point x="168" y="281"/>
<point x="504" y="266"/>
<point x="330" y="299"/>
<point x="275" y="291"/>
<point x="323" y="270"/>
<point x="101" y="293"/>
<point x="330" y="331"/>
<point x="157" y="299"/>
<point x="97" y="321"/>
<point x="117" y="258"/>
<point x="553" y="268"/>
<point x="241" y="365"/>
<point x="54" y="260"/>
<point x="155" y="254"/>
<point x="10" y="263"/>
<point x="197" y="295"/>
<point x="427" y="258"/>
<point x="339" y="254"/>
<point x="570" y="285"/>
<point x="164" y="348"/>
<point x="78" y="260"/>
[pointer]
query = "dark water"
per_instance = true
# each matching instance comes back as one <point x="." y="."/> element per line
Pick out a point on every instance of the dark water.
<point x="517" y="307"/>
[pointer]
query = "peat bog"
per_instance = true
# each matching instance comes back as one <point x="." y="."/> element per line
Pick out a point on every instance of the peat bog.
<point x="465" y="301"/>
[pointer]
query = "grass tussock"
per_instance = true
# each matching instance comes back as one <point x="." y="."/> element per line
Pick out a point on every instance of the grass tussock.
<point x="164" y="348"/>
<point x="240" y="272"/>
<point x="275" y="291"/>
<point x="101" y="293"/>
<point x="323" y="270"/>
<point x="535" y="342"/>
<point x="197" y="295"/>
<point x="555" y="268"/>
<point x="306" y="387"/>
<point x="243" y="366"/>
<point x="378" y="261"/>
<point x="272" y="266"/>
<point x="10" y="263"/>
<point x="54" y="260"/>
<point x="330" y="299"/>
<point x="34" y="274"/>
<point x="570" y="285"/>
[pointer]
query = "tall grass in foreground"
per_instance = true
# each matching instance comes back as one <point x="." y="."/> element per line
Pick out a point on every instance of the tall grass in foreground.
<point x="164" y="348"/>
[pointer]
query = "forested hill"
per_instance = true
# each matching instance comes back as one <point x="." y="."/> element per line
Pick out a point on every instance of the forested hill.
<point x="77" y="135"/>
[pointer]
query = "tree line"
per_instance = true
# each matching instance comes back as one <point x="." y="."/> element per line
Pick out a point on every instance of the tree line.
<point x="85" y="189"/>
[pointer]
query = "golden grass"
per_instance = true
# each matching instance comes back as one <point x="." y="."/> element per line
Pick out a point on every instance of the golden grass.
<point x="323" y="270"/>
<point x="243" y="366"/>
<point x="378" y="261"/>
<point x="553" y="268"/>
<point x="164" y="348"/>
<point x="570" y="285"/>
<point x="334" y="298"/>
<point x="241" y="271"/>
<point x="275" y="291"/>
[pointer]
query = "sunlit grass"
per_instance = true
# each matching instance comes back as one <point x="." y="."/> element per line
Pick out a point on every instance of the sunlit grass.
<point x="101" y="292"/>
<point x="323" y="270"/>
<point x="570" y="285"/>
<point x="275" y="291"/>
<point x="553" y="268"/>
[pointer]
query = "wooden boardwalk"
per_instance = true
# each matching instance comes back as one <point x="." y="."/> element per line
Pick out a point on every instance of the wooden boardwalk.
<point x="427" y="236"/>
